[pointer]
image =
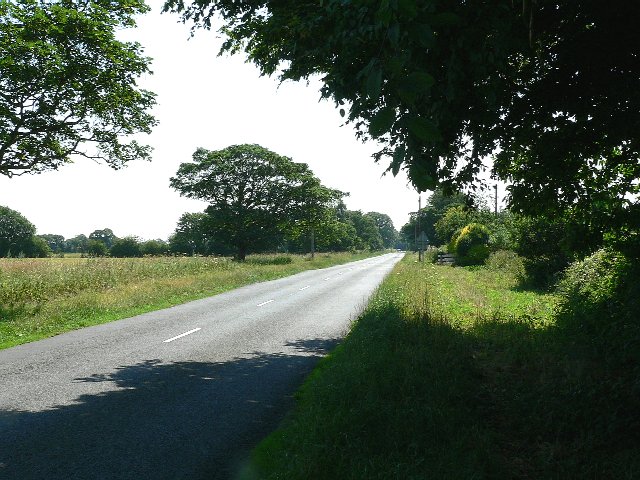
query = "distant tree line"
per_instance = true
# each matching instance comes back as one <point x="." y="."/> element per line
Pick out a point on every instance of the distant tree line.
<point x="346" y="230"/>
<point x="259" y="201"/>
<point x="18" y="239"/>
<point x="349" y="230"/>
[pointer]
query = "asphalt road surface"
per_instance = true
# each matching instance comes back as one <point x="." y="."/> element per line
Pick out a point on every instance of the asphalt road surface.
<point x="181" y="393"/>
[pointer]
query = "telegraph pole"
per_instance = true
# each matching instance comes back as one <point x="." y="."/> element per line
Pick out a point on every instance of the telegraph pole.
<point x="495" y="187"/>
<point x="415" y="227"/>
<point x="419" y="225"/>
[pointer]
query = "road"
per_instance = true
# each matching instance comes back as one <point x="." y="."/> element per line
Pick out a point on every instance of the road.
<point x="181" y="393"/>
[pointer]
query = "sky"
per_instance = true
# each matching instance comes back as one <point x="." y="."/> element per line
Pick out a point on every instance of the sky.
<point x="211" y="102"/>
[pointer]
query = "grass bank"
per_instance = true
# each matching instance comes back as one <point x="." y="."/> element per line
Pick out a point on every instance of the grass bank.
<point x="44" y="297"/>
<point x="452" y="373"/>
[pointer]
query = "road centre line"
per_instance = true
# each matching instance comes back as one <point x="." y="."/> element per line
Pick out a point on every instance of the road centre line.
<point x="182" y="335"/>
<point x="305" y="287"/>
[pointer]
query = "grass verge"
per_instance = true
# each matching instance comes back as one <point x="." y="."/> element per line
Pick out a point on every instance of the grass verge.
<point x="44" y="297"/>
<point x="451" y="373"/>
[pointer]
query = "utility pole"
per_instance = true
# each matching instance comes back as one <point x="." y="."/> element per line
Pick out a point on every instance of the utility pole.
<point x="419" y="225"/>
<point x="415" y="227"/>
<point x="495" y="187"/>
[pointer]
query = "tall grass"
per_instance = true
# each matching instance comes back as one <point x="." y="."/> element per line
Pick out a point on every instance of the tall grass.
<point x="44" y="297"/>
<point x="451" y="373"/>
<point x="33" y="281"/>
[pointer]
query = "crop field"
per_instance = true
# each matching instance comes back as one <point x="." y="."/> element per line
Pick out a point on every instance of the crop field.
<point x="44" y="297"/>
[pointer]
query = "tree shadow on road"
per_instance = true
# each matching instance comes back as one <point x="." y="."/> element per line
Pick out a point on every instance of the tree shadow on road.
<point x="158" y="420"/>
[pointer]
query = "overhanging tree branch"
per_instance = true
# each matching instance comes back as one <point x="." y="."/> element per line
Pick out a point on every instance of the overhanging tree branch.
<point x="63" y="73"/>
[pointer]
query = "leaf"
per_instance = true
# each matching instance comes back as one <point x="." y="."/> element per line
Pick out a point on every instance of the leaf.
<point x="382" y="122"/>
<point x="398" y="159"/>
<point x="423" y="173"/>
<point x="408" y="8"/>
<point x="374" y="82"/>
<point x="423" y="35"/>
<point x="395" y="66"/>
<point x="421" y="80"/>
<point x="445" y="19"/>
<point x="394" y="33"/>
<point x="342" y="112"/>
<point x="383" y="15"/>
<point x="424" y="129"/>
<point x="408" y="94"/>
<point x="414" y="86"/>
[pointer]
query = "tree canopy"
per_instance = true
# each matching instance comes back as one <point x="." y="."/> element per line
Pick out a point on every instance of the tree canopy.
<point x="368" y="235"/>
<point x="68" y="86"/>
<point x="549" y="88"/>
<point x="192" y="235"/>
<point x="385" y="226"/>
<point x="17" y="236"/>
<point x="105" y="236"/>
<point x="126" y="247"/>
<point x="79" y="243"/>
<point x="56" y="242"/>
<point x="16" y="232"/>
<point x="254" y="195"/>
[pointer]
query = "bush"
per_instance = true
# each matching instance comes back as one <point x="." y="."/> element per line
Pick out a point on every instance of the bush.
<point x="477" y="255"/>
<point x="503" y="231"/>
<point x="16" y="233"/>
<point x="543" y="271"/>
<point x="599" y="289"/>
<point x="126" y="247"/>
<point x="431" y="253"/>
<point x="542" y="244"/>
<point x="154" y="248"/>
<point x="96" y="248"/>
<point x="452" y="222"/>
<point x="470" y="246"/>
<point x="38" y="248"/>
<point x="600" y="313"/>
<point x="451" y="246"/>
<point x="506" y="261"/>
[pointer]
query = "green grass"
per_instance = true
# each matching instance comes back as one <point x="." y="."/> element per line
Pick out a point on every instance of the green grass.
<point x="451" y="373"/>
<point x="44" y="297"/>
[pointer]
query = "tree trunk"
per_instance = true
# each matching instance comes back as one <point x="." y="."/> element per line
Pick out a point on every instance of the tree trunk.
<point x="313" y="243"/>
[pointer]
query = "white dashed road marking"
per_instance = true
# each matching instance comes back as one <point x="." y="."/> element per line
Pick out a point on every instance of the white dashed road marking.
<point x="264" y="303"/>
<point x="182" y="335"/>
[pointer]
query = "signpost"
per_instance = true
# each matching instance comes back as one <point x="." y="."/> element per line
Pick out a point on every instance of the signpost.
<point x="422" y="243"/>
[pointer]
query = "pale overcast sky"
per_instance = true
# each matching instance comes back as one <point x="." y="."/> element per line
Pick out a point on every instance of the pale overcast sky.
<point x="211" y="102"/>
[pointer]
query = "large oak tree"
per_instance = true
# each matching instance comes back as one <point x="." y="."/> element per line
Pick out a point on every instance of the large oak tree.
<point x="255" y="196"/>
<point x="68" y="85"/>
